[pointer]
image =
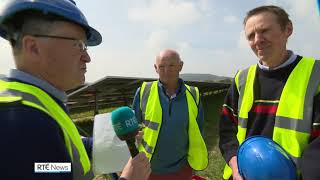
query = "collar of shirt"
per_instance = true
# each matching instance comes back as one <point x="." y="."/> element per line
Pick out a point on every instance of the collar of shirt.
<point x="290" y="60"/>
<point x="177" y="90"/>
<point x="28" y="78"/>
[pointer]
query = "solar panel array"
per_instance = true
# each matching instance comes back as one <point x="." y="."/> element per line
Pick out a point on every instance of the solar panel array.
<point x="115" y="91"/>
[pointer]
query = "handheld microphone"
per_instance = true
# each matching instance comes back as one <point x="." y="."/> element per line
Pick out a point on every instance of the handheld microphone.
<point x="126" y="127"/>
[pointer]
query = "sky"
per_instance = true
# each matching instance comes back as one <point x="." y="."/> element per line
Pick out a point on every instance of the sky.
<point x="208" y="34"/>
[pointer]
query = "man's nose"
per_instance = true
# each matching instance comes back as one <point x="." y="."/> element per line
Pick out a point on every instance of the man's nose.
<point x="258" y="38"/>
<point x="85" y="57"/>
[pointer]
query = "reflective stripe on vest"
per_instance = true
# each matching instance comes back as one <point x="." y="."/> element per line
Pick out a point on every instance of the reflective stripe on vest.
<point x="293" y="119"/>
<point x="36" y="98"/>
<point x="152" y="118"/>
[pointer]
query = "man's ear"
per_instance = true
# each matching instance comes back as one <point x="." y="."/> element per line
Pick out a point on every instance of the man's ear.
<point x="155" y="68"/>
<point x="30" y="45"/>
<point x="181" y="66"/>
<point x="289" y="29"/>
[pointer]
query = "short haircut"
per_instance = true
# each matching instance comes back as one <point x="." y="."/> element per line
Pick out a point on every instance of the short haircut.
<point x="28" y="22"/>
<point x="281" y="14"/>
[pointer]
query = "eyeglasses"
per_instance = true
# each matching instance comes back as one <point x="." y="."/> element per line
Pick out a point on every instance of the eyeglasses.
<point x="81" y="44"/>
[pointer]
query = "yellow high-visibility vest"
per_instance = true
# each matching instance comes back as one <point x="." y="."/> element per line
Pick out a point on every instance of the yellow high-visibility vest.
<point x="32" y="96"/>
<point x="293" y="119"/>
<point x="152" y="118"/>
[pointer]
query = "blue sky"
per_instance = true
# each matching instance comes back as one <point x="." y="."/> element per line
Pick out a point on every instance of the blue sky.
<point x="208" y="34"/>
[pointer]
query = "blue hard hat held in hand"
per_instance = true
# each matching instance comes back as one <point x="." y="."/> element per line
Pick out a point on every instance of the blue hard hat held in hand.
<point x="260" y="158"/>
<point x="65" y="9"/>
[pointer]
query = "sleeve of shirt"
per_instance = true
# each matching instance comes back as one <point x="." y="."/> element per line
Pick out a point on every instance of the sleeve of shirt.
<point x="311" y="156"/>
<point x="310" y="168"/>
<point x="31" y="136"/>
<point x="228" y="125"/>
<point x="136" y="106"/>
<point x="315" y="132"/>
<point x="87" y="142"/>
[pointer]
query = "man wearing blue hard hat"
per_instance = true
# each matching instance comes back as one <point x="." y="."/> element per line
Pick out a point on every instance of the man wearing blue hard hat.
<point x="278" y="97"/>
<point x="49" y="40"/>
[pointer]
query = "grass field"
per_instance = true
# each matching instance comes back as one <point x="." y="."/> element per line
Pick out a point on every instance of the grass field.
<point x="211" y="104"/>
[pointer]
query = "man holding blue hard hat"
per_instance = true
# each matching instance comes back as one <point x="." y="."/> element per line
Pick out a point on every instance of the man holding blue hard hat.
<point x="278" y="97"/>
<point x="49" y="40"/>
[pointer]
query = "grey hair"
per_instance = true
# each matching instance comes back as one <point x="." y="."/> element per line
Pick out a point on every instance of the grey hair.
<point x="28" y="23"/>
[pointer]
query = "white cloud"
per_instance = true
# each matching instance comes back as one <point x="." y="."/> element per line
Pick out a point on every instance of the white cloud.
<point x="305" y="11"/>
<point x="183" y="47"/>
<point x="230" y="19"/>
<point x="166" y="13"/>
<point x="206" y="7"/>
<point x="158" y="40"/>
<point x="162" y="39"/>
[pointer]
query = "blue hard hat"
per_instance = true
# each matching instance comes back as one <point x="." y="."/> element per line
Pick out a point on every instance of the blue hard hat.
<point x="66" y="9"/>
<point x="260" y="158"/>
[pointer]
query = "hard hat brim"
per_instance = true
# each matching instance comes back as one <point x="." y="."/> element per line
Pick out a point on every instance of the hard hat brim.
<point x="94" y="38"/>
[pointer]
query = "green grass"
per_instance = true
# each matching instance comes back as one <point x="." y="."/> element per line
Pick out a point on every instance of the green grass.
<point x="84" y="120"/>
<point x="212" y="105"/>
